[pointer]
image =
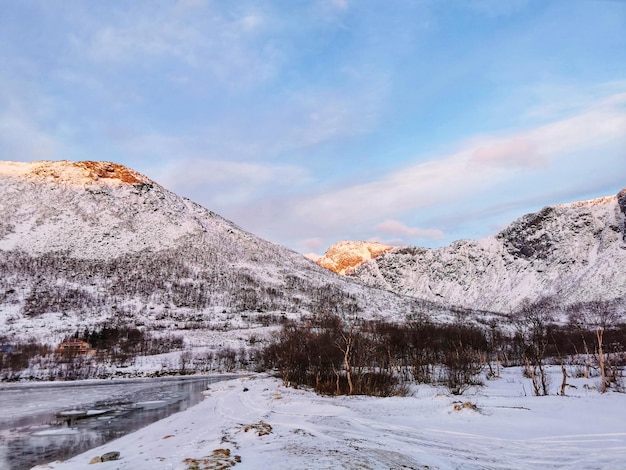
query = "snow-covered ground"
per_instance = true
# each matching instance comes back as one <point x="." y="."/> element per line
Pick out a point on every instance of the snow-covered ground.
<point x="256" y="422"/>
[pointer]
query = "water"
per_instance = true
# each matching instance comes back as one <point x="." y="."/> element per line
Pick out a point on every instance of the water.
<point x="39" y="424"/>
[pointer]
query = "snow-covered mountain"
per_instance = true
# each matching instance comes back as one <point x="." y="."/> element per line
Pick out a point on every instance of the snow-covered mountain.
<point x="575" y="251"/>
<point x="93" y="243"/>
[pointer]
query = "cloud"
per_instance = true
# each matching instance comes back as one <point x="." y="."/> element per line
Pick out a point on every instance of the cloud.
<point x="341" y="4"/>
<point x="313" y="244"/>
<point x="332" y="11"/>
<point x="21" y="139"/>
<point x="604" y="120"/>
<point x="475" y="167"/>
<point x="515" y="152"/>
<point x="293" y="123"/>
<point x="202" y="79"/>
<point x="185" y="4"/>
<point x="26" y="132"/>
<point x="552" y="101"/>
<point x="194" y="173"/>
<point x="225" y="183"/>
<point x="323" y="114"/>
<point x="397" y="228"/>
<point x="215" y="47"/>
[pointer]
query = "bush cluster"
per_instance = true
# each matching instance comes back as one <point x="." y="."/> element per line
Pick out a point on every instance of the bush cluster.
<point x="336" y="356"/>
<point x="375" y="358"/>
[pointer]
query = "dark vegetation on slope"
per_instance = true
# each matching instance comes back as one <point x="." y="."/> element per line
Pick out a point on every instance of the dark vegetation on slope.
<point x="172" y="282"/>
<point x="117" y="347"/>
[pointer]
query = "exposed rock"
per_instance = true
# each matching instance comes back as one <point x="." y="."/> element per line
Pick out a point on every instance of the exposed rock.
<point x="345" y="256"/>
<point x="261" y="428"/>
<point x="219" y="459"/>
<point x="621" y="199"/>
<point x="110" y="456"/>
<point x="527" y="236"/>
<point x="75" y="173"/>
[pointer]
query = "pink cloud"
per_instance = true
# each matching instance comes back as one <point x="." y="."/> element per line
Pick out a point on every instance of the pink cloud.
<point x="394" y="227"/>
<point x="517" y="152"/>
<point x="313" y="244"/>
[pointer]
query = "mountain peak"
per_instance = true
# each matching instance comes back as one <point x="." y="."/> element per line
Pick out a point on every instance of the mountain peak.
<point x="74" y="173"/>
<point x="599" y="201"/>
<point x="345" y="256"/>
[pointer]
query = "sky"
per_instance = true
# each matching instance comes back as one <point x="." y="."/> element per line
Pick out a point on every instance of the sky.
<point x="413" y="122"/>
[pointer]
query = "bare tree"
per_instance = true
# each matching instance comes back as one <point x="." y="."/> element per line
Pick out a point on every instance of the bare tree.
<point x="532" y="321"/>
<point x="345" y="343"/>
<point x="598" y="316"/>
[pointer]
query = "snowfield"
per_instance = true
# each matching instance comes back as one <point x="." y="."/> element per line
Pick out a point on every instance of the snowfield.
<point x="256" y="422"/>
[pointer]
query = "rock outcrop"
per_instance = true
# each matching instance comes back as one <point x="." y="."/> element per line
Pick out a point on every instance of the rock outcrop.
<point x="345" y="256"/>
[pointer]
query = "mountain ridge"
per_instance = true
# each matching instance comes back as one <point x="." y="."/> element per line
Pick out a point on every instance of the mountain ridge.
<point x="92" y="243"/>
<point x="572" y="251"/>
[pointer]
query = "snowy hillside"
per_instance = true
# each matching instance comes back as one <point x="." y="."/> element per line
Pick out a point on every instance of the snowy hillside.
<point x="91" y="243"/>
<point x="575" y="251"/>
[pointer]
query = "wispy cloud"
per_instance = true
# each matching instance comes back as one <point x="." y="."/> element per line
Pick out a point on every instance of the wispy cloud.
<point x="22" y="139"/>
<point x="313" y="245"/>
<point x="334" y="120"/>
<point x="477" y="167"/>
<point x="322" y="115"/>
<point x="603" y="122"/>
<point x="291" y="124"/>
<point x="224" y="182"/>
<point x="192" y="34"/>
<point x="513" y="152"/>
<point x="342" y="4"/>
<point x="557" y="99"/>
<point x="396" y="228"/>
<point x="27" y="130"/>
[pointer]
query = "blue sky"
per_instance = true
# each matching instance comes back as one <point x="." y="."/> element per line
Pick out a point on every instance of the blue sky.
<point x="309" y="122"/>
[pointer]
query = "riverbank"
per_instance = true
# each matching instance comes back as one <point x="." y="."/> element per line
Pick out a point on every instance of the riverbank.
<point x="20" y="399"/>
<point x="256" y="422"/>
<point x="40" y="422"/>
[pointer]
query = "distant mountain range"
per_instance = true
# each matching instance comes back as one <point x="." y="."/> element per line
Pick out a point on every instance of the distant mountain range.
<point x="574" y="252"/>
<point x="88" y="244"/>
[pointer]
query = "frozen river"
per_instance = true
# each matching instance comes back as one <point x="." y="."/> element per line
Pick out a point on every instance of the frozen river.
<point x="44" y="422"/>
